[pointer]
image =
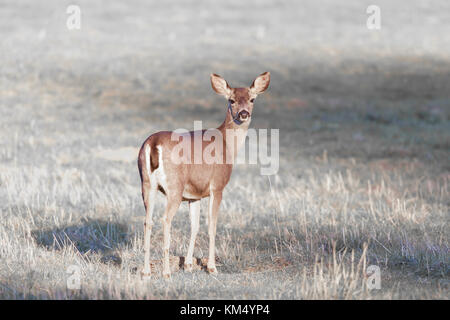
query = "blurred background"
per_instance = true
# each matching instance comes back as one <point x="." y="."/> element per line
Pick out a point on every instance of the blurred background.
<point x="364" y="119"/>
<point x="142" y="66"/>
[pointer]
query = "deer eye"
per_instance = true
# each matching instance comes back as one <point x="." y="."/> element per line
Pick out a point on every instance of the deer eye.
<point x="231" y="101"/>
<point x="251" y="100"/>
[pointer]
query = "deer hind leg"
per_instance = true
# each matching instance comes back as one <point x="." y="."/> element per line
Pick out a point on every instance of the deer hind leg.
<point x="149" y="189"/>
<point x="194" y="213"/>
<point x="149" y="195"/>
<point x="214" y="203"/>
<point x="173" y="202"/>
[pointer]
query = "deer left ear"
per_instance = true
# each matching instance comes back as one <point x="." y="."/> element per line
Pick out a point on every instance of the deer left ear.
<point x="261" y="83"/>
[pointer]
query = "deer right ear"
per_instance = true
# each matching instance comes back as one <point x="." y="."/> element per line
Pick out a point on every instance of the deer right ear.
<point x="220" y="86"/>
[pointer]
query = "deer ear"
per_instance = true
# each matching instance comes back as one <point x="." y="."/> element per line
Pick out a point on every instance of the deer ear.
<point x="220" y="86"/>
<point x="261" y="83"/>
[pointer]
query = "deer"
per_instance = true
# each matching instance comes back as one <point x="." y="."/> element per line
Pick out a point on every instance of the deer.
<point x="189" y="181"/>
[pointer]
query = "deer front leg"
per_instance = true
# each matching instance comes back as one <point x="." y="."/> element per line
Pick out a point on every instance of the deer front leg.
<point x="214" y="203"/>
<point x="172" y="206"/>
<point x="194" y="213"/>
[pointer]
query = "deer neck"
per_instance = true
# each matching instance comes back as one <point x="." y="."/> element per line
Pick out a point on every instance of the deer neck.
<point x="233" y="134"/>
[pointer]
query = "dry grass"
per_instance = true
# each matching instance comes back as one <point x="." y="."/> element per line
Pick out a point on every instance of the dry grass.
<point x="364" y="148"/>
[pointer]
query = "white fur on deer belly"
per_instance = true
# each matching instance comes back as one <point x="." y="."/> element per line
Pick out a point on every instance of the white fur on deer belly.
<point x="159" y="173"/>
<point x="188" y="195"/>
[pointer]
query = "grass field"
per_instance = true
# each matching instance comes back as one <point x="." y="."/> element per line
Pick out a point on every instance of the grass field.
<point x="364" y="119"/>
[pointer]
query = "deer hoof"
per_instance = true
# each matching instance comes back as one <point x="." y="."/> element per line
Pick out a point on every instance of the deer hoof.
<point x="188" y="267"/>
<point x="212" y="270"/>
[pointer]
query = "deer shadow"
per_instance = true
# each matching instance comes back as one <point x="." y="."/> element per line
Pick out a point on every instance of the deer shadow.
<point x="92" y="236"/>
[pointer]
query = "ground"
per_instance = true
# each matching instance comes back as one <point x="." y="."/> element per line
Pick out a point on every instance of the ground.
<point x="364" y="120"/>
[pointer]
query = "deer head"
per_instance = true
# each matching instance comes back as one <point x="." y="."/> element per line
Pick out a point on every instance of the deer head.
<point x="240" y="100"/>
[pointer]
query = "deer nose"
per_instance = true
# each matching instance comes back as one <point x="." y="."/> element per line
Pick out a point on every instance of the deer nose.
<point x="244" y="115"/>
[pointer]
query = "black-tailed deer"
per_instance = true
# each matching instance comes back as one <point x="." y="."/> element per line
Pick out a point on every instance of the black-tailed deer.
<point x="191" y="181"/>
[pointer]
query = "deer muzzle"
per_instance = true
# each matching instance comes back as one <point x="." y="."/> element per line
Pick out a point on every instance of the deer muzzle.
<point x="244" y="115"/>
